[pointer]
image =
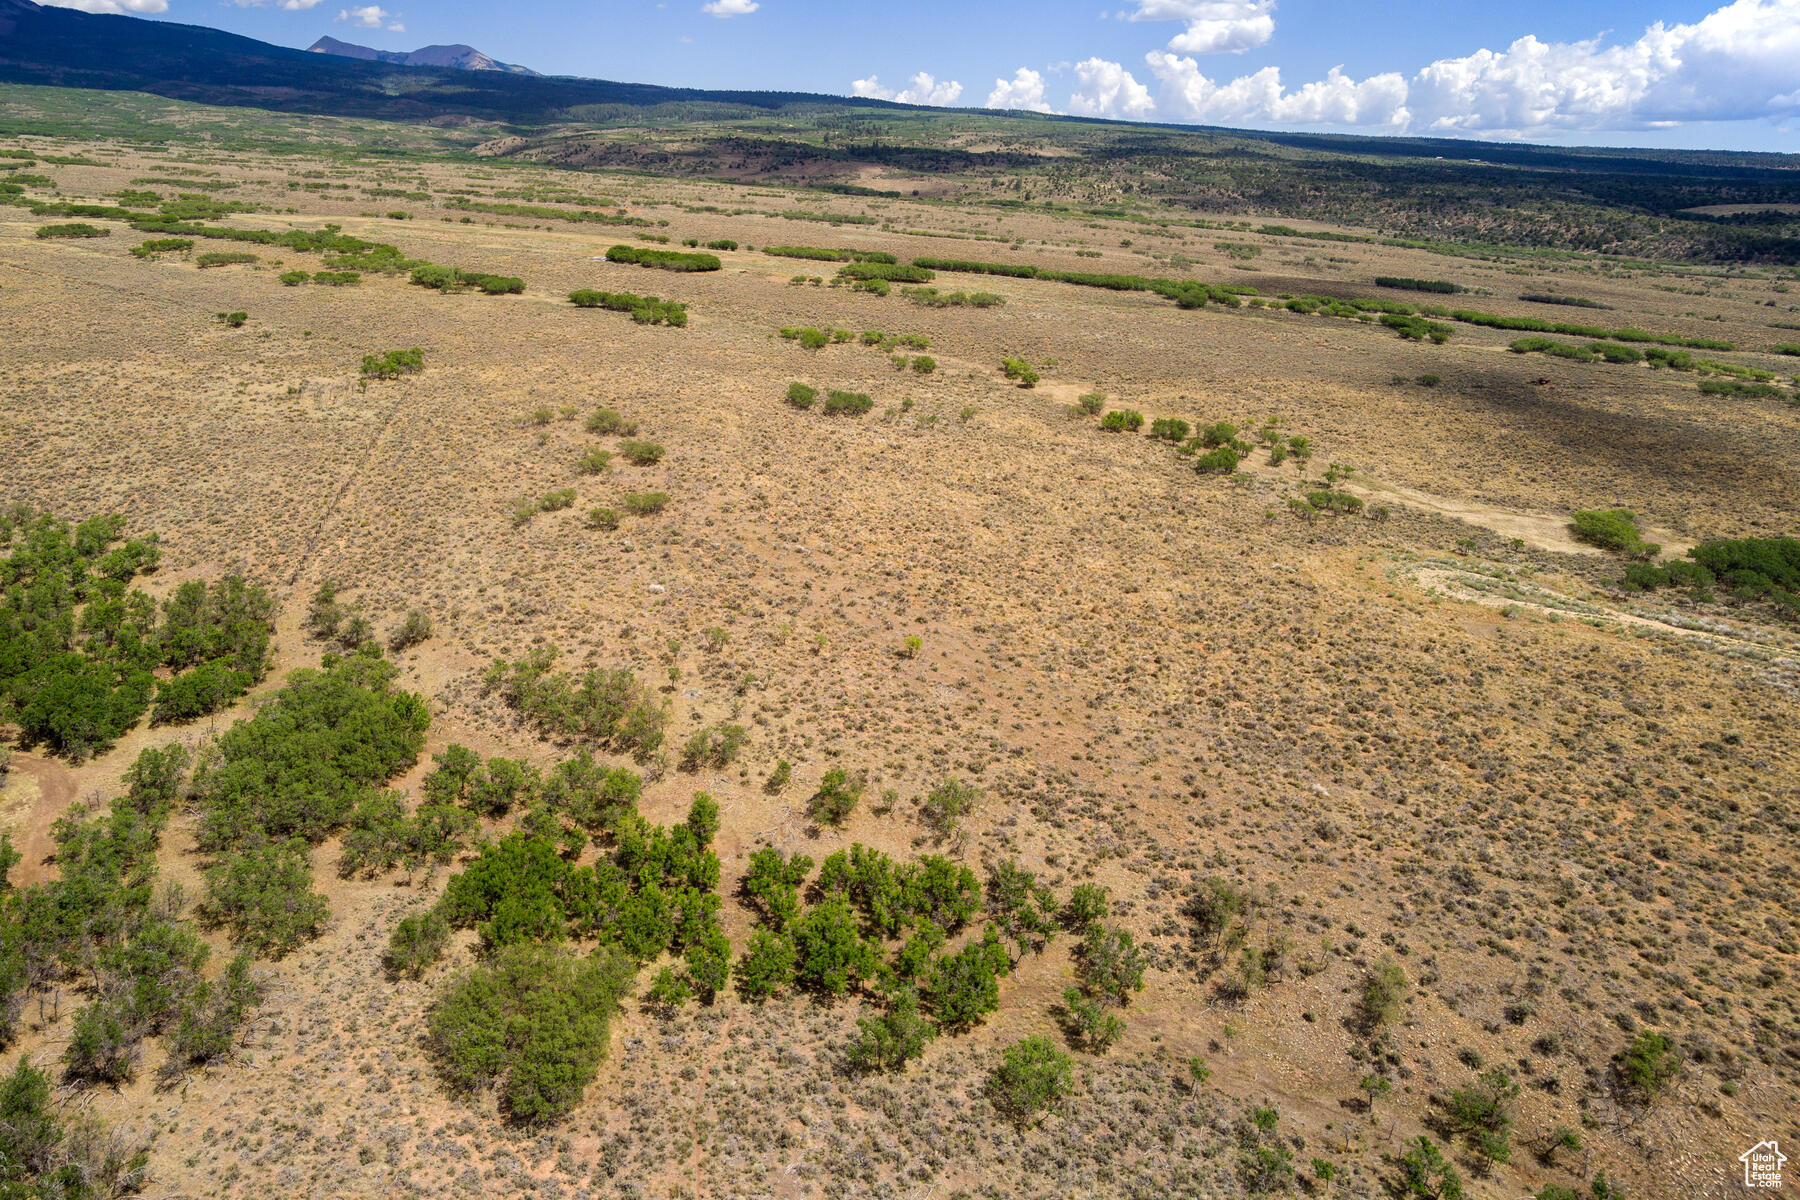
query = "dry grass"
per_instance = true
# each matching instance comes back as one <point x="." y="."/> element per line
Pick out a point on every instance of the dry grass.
<point x="1556" y="827"/>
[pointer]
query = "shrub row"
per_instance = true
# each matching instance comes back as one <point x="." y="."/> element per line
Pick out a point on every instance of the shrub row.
<point x="455" y="279"/>
<point x="645" y="310"/>
<point x="1405" y="283"/>
<point x="822" y="254"/>
<point x="665" y="260"/>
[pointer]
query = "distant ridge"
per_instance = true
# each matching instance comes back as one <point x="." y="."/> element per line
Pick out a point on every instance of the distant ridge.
<point x="62" y="47"/>
<point x="462" y="58"/>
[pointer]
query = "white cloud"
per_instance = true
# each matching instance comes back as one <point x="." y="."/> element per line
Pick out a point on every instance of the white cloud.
<point x="371" y="16"/>
<point x="1106" y="89"/>
<point x="112" y="6"/>
<point x="1213" y="26"/>
<point x="730" y="8"/>
<point x="1739" y="62"/>
<point x="923" y="90"/>
<point x="1188" y="95"/>
<point x="289" y="5"/>
<point x="1025" y="90"/>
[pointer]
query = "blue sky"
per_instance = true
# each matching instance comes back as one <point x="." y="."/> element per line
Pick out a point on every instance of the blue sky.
<point x="1673" y="73"/>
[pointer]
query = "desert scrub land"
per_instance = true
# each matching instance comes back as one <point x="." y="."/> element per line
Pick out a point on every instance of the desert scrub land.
<point x="1181" y="741"/>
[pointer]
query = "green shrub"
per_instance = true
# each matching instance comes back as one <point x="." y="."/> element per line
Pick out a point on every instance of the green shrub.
<point x="1169" y="429"/>
<point x="1123" y="420"/>
<point x="608" y="423"/>
<point x="839" y="403"/>
<point x="644" y="504"/>
<point x="234" y="320"/>
<point x="223" y="258"/>
<point x="75" y="230"/>
<point x="414" y="628"/>
<point x="722" y="244"/>
<point x="603" y="518"/>
<point x="766" y="968"/>
<point x="1647" y="1064"/>
<point x="594" y="461"/>
<point x="393" y="364"/>
<point x="1222" y="461"/>
<point x="641" y="454"/>
<point x="1425" y="1174"/>
<point x="801" y="396"/>
<point x="151" y="247"/>
<point x="964" y="987"/>
<point x="924" y="364"/>
<point x="944" y="807"/>
<point x="1091" y="403"/>
<point x="533" y="1024"/>
<point x="889" y="1041"/>
<point x="417" y="942"/>
<point x="1019" y="371"/>
<point x="1033" y="1077"/>
<point x="714" y="746"/>
<point x="337" y="278"/>
<point x="290" y="278"/>
<point x="263" y="895"/>
<point x="1613" y="529"/>
<point x="836" y="798"/>
<point x="1089" y="1023"/>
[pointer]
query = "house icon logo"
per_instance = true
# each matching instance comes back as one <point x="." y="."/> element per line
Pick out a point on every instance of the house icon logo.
<point x="1762" y="1165"/>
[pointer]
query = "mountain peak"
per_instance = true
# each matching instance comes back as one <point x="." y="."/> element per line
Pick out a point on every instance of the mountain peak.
<point x="465" y="58"/>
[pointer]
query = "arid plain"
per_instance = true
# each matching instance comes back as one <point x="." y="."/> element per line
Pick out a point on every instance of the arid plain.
<point x="1444" y="740"/>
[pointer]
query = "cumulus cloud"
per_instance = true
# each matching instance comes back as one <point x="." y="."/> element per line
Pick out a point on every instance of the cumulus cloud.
<point x="730" y="8"/>
<point x="1106" y="89"/>
<point x="371" y="16"/>
<point x="922" y="89"/>
<point x="1738" y="62"/>
<point x="1213" y="26"/>
<point x="114" y="7"/>
<point x="1025" y="90"/>
<point x="1188" y="95"/>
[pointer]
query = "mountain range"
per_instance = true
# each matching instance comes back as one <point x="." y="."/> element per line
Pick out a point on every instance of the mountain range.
<point x="462" y="58"/>
<point x="62" y="47"/>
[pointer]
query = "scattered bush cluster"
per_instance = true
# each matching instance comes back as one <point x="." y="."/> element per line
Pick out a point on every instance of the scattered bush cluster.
<point x="78" y="644"/>
<point x="1748" y="568"/>
<point x="608" y="707"/>
<point x="102" y="929"/>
